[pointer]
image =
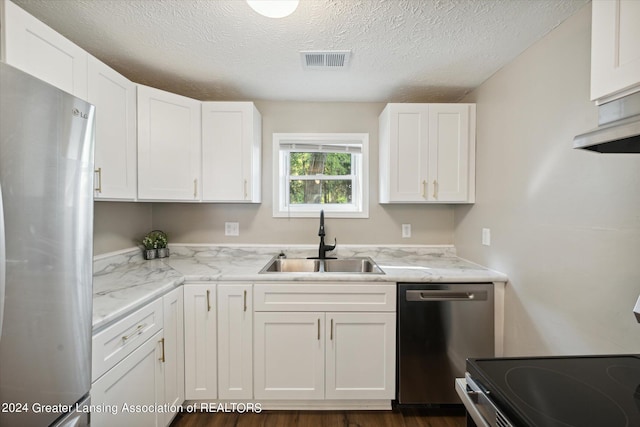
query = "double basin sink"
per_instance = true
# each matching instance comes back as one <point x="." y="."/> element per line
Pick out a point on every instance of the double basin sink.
<point x="303" y="265"/>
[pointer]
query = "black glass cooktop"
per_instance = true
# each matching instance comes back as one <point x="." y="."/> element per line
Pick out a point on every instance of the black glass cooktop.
<point x="589" y="391"/>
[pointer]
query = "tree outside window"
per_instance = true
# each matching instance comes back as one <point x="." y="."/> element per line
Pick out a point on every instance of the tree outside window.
<point x="321" y="171"/>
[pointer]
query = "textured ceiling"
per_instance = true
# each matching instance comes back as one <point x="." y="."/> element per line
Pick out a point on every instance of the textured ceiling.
<point x="402" y="50"/>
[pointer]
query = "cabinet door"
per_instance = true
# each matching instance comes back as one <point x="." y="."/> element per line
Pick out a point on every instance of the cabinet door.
<point x="406" y="156"/>
<point x="200" y="341"/>
<point x="615" y="48"/>
<point x="360" y="355"/>
<point x="137" y="380"/>
<point x="235" y="342"/>
<point x="35" y="48"/>
<point x="231" y="152"/>
<point x="173" y="350"/>
<point x="168" y="146"/>
<point x="451" y="132"/>
<point x="115" y="151"/>
<point x="289" y="355"/>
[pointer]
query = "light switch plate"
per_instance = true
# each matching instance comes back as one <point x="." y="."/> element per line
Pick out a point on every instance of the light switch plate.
<point x="486" y="236"/>
<point x="231" y="228"/>
<point x="406" y="231"/>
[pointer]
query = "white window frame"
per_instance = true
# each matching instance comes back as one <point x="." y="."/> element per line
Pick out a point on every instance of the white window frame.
<point x="359" y="208"/>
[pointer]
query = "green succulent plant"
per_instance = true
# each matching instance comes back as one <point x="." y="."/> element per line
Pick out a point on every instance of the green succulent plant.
<point x="156" y="239"/>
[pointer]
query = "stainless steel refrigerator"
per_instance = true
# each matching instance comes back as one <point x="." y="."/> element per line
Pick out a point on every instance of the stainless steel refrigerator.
<point x="46" y="239"/>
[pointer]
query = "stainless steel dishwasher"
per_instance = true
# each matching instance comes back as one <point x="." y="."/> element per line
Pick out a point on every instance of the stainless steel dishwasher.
<point x="440" y="325"/>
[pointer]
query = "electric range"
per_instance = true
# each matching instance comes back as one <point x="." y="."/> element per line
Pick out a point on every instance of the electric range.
<point x="588" y="391"/>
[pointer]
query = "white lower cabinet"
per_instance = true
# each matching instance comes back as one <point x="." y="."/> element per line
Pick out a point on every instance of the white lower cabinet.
<point x="235" y="341"/>
<point x="173" y="351"/>
<point x="200" y="341"/>
<point x="138" y="363"/>
<point x="360" y="355"/>
<point x="289" y="355"/>
<point x="136" y="380"/>
<point x="324" y="355"/>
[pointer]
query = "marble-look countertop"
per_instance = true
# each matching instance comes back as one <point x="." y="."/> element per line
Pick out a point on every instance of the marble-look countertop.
<point x="124" y="282"/>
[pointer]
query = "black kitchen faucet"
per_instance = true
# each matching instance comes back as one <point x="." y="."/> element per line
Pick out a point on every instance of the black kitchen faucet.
<point x="323" y="249"/>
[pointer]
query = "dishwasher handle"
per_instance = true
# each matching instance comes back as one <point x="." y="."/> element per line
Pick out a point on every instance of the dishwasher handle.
<point x="427" y="295"/>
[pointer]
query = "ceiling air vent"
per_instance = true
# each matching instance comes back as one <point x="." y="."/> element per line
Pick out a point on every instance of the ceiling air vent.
<point x="325" y="59"/>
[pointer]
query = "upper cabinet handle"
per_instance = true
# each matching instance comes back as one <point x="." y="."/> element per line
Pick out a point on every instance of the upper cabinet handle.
<point x="99" y="172"/>
<point x="424" y="189"/>
<point x="245" y="189"/>
<point x="435" y="189"/>
<point x="195" y="188"/>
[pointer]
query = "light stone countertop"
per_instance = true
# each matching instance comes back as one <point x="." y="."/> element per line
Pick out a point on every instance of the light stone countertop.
<point x="124" y="282"/>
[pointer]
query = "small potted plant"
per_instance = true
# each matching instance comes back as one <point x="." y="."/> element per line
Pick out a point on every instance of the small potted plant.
<point x="155" y="245"/>
<point x="161" y="244"/>
<point x="149" y="244"/>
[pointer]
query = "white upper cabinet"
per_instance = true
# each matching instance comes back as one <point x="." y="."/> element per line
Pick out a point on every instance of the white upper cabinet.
<point x="451" y="148"/>
<point x="35" y="48"/>
<point x="403" y="153"/>
<point x="615" y="49"/>
<point x="115" y="151"/>
<point x="231" y="152"/>
<point x="427" y="153"/>
<point x="168" y="146"/>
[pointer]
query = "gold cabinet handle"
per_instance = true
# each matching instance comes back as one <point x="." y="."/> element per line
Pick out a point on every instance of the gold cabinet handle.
<point x="137" y="331"/>
<point x="435" y="189"/>
<point x="162" y="343"/>
<point x="331" y="331"/>
<point x="424" y="189"/>
<point x="318" y="329"/>
<point x="245" y="300"/>
<point x="99" y="172"/>
<point x="245" y="189"/>
<point x="195" y="188"/>
<point x="208" y="301"/>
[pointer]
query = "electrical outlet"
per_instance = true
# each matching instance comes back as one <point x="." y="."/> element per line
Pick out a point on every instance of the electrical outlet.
<point x="486" y="236"/>
<point x="406" y="231"/>
<point x="231" y="228"/>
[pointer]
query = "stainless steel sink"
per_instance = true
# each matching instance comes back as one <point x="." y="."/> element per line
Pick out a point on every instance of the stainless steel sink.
<point x="302" y="265"/>
<point x="351" y="265"/>
<point x="292" y="265"/>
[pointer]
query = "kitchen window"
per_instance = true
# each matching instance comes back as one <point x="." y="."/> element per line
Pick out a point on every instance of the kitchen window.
<point x="315" y="171"/>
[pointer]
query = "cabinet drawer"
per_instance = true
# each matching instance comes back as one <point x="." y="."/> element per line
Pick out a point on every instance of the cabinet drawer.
<point x="116" y="342"/>
<point x="324" y="297"/>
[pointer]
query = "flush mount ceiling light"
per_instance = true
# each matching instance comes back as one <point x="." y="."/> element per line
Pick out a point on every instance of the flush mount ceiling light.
<point x="274" y="8"/>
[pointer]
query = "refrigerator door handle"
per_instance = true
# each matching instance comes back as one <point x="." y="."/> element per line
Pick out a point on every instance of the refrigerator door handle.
<point x="3" y="264"/>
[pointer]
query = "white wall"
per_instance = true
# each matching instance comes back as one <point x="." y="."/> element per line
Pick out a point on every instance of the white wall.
<point x="119" y="225"/>
<point x="565" y="224"/>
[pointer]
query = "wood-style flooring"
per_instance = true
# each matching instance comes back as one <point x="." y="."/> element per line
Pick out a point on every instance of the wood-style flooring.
<point x="395" y="418"/>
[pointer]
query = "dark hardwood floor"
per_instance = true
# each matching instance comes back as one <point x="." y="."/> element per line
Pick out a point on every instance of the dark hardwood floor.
<point x="395" y="418"/>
